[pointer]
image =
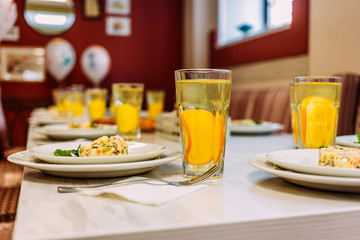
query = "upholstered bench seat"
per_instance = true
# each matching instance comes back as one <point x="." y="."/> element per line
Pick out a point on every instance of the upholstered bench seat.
<point x="271" y="104"/>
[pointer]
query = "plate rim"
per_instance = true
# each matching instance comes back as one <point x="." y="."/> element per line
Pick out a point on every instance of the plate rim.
<point x="317" y="170"/>
<point x="159" y="149"/>
<point x="256" y="161"/>
<point x="48" y="128"/>
<point x="251" y="129"/>
<point x="45" y="166"/>
<point x="355" y="145"/>
<point x="47" y="120"/>
<point x="76" y="132"/>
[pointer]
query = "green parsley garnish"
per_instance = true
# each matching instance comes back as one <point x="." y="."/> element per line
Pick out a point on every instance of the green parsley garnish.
<point x="358" y="137"/>
<point x="67" y="153"/>
<point x="257" y="122"/>
<point x="95" y="125"/>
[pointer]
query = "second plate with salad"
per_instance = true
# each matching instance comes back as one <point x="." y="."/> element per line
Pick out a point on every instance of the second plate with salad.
<point x="249" y="126"/>
<point x="64" y="132"/>
<point x="349" y="141"/>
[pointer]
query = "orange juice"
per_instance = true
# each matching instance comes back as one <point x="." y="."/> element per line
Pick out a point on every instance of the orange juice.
<point x="317" y="101"/>
<point x="96" y="102"/>
<point x="59" y="97"/>
<point x="294" y="124"/>
<point x="127" y="99"/>
<point x="203" y="113"/>
<point x="74" y="102"/>
<point x="155" y="102"/>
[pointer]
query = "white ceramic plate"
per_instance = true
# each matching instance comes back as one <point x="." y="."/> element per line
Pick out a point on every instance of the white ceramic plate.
<point x="137" y="152"/>
<point x="63" y="132"/>
<point x="25" y="159"/>
<point x="306" y="161"/>
<point x="265" y="127"/>
<point x="348" y="140"/>
<point x="44" y="120"/>
<point x="339" y="184"/>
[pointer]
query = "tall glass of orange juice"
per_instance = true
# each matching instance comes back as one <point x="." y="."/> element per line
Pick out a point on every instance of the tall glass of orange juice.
<point x="317" y="101"/>
<point x="294" y="124"/>
<point x="96" y="103"/>
<point x="128" y="99"/>
<point x="203" y="97"/>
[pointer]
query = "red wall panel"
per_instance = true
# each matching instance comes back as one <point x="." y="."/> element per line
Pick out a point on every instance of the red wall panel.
<point x="150" y="54"/>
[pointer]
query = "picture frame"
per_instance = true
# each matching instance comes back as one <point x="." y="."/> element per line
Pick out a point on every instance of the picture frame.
<point x="118" y="7"/>
<point x="91" y="9"/>
<point x="13" y="35"/>
<point x="118" y="26"/>
<point x="22" y="64"/>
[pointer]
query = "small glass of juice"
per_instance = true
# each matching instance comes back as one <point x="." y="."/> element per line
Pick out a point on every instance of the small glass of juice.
<point x="96" y="102"/>
<point x="128" y="99"/>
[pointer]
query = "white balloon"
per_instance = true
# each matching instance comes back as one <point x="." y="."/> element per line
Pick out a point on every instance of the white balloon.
<point x="60" y="58"/>
<point x="8" y="16"/>
<point x="4" y="8"/>
<point x="95" y="63"/>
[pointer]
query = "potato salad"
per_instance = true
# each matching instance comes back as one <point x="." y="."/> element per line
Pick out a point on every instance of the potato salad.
<point x="339" y="157"/>
<point x="105" y="146"/>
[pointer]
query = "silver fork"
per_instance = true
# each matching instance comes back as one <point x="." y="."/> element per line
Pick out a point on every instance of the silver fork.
<point x="211" y="172"/>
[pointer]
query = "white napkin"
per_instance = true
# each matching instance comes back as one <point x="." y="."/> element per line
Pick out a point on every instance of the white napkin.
<point x="143" y="193"/>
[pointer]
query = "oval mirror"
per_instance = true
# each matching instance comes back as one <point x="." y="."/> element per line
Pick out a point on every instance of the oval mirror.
<point x="49" y="17"/>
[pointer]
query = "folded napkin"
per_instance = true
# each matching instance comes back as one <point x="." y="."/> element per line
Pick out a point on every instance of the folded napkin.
<point x="143" y="193"/>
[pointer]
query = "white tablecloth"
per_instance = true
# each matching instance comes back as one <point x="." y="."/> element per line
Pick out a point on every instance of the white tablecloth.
<point x="246" y="204"/>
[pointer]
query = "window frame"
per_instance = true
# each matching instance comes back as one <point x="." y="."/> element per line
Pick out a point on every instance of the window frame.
<point x="287" y="41"/>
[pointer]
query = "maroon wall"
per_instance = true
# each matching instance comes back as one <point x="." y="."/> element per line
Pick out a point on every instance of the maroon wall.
<point x="150" y="55"/>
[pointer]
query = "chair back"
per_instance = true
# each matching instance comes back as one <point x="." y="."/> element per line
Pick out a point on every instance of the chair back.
<point x="349" y="104"/>
<point x="4" y="141"/>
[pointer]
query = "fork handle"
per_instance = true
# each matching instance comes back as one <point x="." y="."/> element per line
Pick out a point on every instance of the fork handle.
<point x="65" y="189"/>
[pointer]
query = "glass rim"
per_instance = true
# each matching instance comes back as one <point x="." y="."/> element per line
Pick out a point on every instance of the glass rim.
<point x="131" y="84"/>
<point x="203" y="70"/>
<point x="155" y="90"/>
<point x="96" y="90"/>
<point x="318" y="79"/>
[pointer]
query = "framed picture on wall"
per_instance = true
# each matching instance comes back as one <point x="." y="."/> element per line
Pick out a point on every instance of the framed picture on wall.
<point x="22" y="64"/>
<point x="12" y="35"/>
<point x="118" y="6"/>
<point x="91" y="9"/>
<point x="118" y="26"/>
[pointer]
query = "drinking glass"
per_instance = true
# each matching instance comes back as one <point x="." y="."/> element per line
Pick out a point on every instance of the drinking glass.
<point x="74" y="102"/>
<point x="128" y="99"/>
<point x="96" y="102"/>
<point x="317" y="101"/>
<point x="203" y="97"/>
<point x="59" y="97"/>
<point x="155" y="102"/>
<point x="294" y="124"/>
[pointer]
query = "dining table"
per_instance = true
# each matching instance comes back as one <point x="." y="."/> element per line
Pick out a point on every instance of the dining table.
<point x="246" y="203"/>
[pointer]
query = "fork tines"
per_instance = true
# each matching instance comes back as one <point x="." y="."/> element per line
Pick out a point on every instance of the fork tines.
<point x="206" y="175"/>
